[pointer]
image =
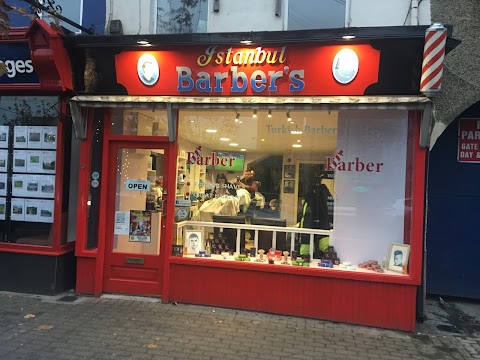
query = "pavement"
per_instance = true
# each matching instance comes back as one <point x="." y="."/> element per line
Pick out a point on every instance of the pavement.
<point x="67" y="326"/>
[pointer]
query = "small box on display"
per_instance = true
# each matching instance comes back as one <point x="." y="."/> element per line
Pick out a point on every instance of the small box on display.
<point x="177" y="250"/>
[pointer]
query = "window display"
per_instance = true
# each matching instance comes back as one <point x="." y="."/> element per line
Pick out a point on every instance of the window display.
<point x="320" y="189"/>
<point x="28" y="142"/>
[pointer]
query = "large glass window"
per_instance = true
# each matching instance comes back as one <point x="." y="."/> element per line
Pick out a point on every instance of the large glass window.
<point x="312" y="14"/>
<point x="329" y="186"/>
<point x="28" y="159"/>
<point x="181" y="16"/>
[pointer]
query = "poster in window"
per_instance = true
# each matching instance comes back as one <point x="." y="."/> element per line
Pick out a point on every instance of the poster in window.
<point x="34" y="161"/>
<point x="32" y="210"/>
<point x="19" y="160"/>
<point x="140" y="226"/>
<point x="4" y="137"/>
<point x="20" y="137"/>
<point x="122" y="223"/>
<point x="3" y="160"/>
<point x="47" y="186"/>
<point x="3" y="208"/>
<point x="3" y="184"/>
<point x="46" y="211"/>
<point x="32" y="186"/>
<point x="49" y="137"/>
<point x="34" y="137"/>
<point x="48" y="162"/>
<point x="18" y="185"/>
<point x="18" y="211"/>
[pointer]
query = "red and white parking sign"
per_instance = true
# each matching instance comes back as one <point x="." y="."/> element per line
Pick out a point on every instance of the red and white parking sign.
<point x="469" y="140"/>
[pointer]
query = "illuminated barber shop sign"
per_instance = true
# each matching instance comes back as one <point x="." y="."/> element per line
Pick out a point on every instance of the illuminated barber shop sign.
<point x="288" y="69"/>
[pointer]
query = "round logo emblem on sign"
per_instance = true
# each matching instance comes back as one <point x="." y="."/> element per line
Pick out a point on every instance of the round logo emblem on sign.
<point x="95" y="183"/>
<point x="95" y="175"/>
<point x="182" y="214"/>
<point x="147" y="69"/>
<point x="345" y="66"/>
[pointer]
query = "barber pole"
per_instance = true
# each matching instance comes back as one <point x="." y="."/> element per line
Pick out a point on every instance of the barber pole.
<point x="433" y="57"/>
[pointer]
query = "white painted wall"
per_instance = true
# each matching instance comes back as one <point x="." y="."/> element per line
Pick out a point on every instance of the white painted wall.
<point x="137" y="16"/>
<point x="244" y="15"/>
<point x="365" y="13"/>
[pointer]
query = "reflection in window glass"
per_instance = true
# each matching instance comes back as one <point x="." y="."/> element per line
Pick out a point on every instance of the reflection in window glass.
<point x="313" y="14"/>
<point x="181" y="16"/>
<point x="140" y="122"/>
<point x="343" y="171"/>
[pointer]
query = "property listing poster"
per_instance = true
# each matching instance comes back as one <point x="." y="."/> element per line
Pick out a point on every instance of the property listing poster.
<point x="3" y="184"/>
<point x="49" y="137"/>
<point x="20" y="135"/>
<point x="18" y="210"/>
<point x="3" y="160"/>
<point x="19" y="160"/>
<point x="32" y="210"/>
<point x="140" y="226"/>
<point x="46" y="211"/>
<point x="3" y="207"/>
<point x="34" y="137"/>
<point x="19" y="187"/>
<point x="4" y="137"/>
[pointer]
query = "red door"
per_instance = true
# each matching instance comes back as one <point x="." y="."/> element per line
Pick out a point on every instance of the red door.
<point x="136" y="220"/>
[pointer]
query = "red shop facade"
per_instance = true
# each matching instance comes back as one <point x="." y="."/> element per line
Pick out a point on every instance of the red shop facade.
<point x="35" y="254"/>
<point x="285" y="175"/>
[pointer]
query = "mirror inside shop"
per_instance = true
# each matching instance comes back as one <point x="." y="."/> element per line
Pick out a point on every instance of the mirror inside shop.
<point x="312" y="188"/>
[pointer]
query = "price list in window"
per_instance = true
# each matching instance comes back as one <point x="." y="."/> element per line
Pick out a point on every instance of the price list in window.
<point x="32" y="174"/>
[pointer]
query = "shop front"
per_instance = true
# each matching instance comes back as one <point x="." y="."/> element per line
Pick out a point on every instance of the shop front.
<point x="36" y="256"/>
<point x="283" y="176"/>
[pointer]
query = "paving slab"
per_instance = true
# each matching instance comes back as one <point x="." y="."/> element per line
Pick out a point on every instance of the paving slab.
<point x="120" y="327"/>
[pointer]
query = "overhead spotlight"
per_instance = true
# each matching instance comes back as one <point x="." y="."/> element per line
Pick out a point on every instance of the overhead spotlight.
<point x="289" y="118"/>
<point x="348" y="36"/>
<point x="269" y="113"/>
<point x="237" y="117"/>
<point x="254" y="114"/>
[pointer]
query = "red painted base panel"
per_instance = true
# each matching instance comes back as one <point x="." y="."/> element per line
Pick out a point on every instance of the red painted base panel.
<point x="390" y="306"/>
<point x="85" y="275"/>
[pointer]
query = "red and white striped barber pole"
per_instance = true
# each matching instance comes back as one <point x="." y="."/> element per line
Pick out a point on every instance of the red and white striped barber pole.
<point x="433" y="57"/>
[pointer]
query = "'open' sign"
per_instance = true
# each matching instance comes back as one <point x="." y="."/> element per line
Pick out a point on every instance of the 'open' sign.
<point x="137" y="185"/>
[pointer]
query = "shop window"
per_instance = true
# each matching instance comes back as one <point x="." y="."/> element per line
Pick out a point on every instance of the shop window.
<point x="339" y="176"/>
<point x="306" y="14"/>
<point x="140" y="122"/>
<point x="181" y="16"/>
<point x="28" y="168"/>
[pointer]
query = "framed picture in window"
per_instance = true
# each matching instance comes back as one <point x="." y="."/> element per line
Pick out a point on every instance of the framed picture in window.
<point x="194" y="241"/>
<point x="289" y="171"/>
<point x="288" y="186"/>
<point x="398" y="257"/>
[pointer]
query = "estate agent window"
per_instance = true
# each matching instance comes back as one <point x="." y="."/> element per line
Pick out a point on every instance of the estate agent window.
<point x="28" y="168"/>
